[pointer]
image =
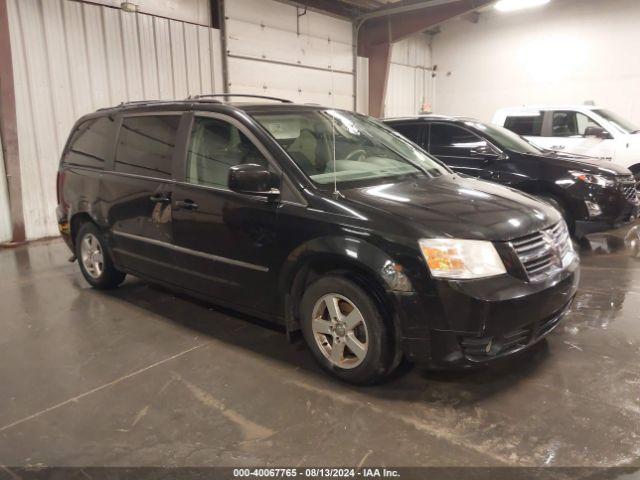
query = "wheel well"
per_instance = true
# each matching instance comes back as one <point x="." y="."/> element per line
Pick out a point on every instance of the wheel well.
<point x="567" y="212"/>
<point x="556" y="197"/>
<point x="76" y="223"/>
<point x="635" y="169"/>
<point x="323" y="266"/>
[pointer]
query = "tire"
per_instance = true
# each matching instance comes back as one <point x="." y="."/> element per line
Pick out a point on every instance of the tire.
<point x="558" y="206"/>
<point x="94" y="259"/>
<point x="358" y="348"/>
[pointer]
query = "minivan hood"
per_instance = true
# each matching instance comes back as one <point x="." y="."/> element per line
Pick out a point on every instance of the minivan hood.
<point x="581" y="162"/>
<point x="456" y="206"/>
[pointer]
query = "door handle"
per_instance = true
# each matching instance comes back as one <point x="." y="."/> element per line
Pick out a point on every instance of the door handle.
<point x="160" y="198"/>
<point x="186" y="204"/>
<point x="558" y="147"/>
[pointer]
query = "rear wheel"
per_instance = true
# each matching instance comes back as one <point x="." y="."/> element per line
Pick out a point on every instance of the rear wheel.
<point x="94" y="260"/>
<point x="346" y="331"/>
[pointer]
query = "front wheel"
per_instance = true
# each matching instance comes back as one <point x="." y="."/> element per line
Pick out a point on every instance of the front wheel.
<point x="94" y="260"/>
<point x="346" y="331"/>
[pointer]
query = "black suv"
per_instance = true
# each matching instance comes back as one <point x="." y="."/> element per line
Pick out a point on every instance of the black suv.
<point x="592" y="195"/>
<point x="319" y="219"/>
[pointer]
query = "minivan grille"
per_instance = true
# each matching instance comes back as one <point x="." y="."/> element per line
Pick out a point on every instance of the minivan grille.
<point x="541" y="254"/>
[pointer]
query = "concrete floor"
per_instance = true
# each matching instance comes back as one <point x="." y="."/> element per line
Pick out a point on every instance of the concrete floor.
<point x="139" y="376"/>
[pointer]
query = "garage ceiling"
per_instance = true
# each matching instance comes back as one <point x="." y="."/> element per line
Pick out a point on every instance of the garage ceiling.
<point x="352" y="8"/>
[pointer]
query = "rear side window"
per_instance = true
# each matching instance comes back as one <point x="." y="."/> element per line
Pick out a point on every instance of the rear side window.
<point x="91" y="143"/>
<point x="412" y="131"/>
<point x="145" y="145"/>
<point x="525" y="126"/>
<point x="215" y="147"/>
<point x="452" y="141"/>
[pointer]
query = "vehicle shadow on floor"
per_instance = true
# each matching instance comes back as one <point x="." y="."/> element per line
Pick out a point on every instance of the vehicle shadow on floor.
<point x="410" y="383"/>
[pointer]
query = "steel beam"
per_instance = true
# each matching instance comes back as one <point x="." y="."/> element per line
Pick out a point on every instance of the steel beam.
<point x="9" y="129"/>
<point x="379" y="61"/>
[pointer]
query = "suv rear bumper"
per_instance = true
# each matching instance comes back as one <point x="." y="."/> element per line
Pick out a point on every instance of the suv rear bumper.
<point x="487" y="319"/>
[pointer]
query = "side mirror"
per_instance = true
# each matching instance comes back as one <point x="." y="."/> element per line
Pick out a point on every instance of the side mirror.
<point x="252" y="179"/>
<point x="599" y="132"/>
<point x="487" y="153"/>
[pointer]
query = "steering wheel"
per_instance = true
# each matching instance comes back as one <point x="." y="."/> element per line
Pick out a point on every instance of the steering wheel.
<point x="361" y="155"/>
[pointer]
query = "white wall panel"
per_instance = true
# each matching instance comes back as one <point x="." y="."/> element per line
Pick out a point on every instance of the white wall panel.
<point x="268" y="57"/>
<point x="363" y="85"/>
<point x="194" y="11"/>
<point x="409" y="86"/>
<point x="71" y="58"/>
<point x="564" y="52"/>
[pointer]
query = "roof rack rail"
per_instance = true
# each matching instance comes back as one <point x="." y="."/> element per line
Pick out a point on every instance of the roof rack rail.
<point x="243" y="95"/>
<point x="134" y="103"/>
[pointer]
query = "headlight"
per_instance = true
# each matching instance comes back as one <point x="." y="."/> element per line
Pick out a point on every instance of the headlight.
<point x="593" y="178"/>
<point x="461" y="259"/>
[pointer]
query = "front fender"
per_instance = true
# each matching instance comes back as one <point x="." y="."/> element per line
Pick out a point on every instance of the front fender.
<point x="353" y="252"/>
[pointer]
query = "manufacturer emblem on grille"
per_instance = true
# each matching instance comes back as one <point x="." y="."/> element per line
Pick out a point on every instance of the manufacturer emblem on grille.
<point x="554" y="248"/>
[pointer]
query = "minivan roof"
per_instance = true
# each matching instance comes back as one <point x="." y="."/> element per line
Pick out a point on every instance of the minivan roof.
<point x="211" y="103"/>
<point x="258" y="104"/>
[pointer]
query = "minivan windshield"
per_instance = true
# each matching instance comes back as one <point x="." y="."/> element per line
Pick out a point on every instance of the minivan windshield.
<point x="624" y="125"/>
<point x="343" y="147"/>
<point x="505" y="138"/>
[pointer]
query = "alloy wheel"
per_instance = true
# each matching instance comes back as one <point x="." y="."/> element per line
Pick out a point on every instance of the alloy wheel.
<point x="92" y="256"/>
<point x="340" y="331"/>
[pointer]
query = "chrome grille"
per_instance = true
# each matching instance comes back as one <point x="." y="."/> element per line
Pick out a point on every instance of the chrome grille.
<point x="542" y="254"/>
<point x="629" y="191"/>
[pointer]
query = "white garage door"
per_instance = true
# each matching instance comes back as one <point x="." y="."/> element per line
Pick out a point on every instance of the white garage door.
<point x="71" y="58"/>
<point x="267" y="56"/>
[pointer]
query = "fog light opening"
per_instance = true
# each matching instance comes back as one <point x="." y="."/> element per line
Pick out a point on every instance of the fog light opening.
<point x="489" y="345"/>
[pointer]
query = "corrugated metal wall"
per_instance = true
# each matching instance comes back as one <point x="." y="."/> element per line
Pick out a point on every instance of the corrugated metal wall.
<point x="71" y="58"/>
<point x="410" y="85"/>
<point x="268" y="57"/>
<point x="193" y="11"/>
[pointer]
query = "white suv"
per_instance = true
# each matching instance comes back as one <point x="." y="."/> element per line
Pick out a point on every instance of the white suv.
<point x="579" y="129"/>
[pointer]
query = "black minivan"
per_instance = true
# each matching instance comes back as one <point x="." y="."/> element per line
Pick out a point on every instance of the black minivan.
<point x="592" y="195"/>
<point x="322" y="220"/>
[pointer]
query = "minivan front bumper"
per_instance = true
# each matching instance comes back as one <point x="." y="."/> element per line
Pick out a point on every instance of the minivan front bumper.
<point x="475" y="322"/>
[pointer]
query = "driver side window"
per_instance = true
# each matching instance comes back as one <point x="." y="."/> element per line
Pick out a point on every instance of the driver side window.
<point x="570" y="124"/>
<point x="215" y="147"/>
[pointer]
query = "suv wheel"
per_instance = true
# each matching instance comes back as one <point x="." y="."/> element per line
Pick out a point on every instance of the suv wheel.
<point x="346" y="332"/>
<point x="94" y="260"/>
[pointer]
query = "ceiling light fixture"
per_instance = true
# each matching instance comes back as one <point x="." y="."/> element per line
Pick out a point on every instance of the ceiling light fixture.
<point x="511" y="5"/>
